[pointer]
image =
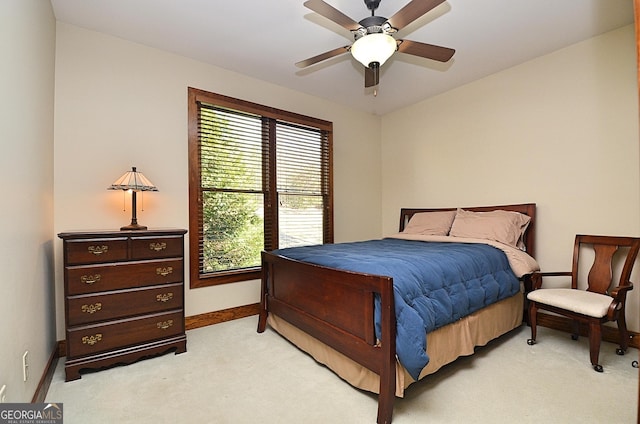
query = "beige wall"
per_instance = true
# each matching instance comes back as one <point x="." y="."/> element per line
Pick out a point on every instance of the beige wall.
<point x="120" y="104"/>
<point x="27" y="321"/>
<point x="560" y="131"/>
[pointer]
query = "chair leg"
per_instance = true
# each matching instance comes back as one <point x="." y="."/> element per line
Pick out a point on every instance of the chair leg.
<point x="624" y="334"/>
<point x="575" y="326"/>
<point x="595" y="335"/>
<point x="533" y="315"/>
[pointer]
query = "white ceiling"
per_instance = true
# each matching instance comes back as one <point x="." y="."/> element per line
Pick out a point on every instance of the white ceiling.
<point x="264" y="38"/>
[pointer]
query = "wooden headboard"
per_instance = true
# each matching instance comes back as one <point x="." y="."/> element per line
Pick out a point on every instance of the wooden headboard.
<point x="524" y="208"/>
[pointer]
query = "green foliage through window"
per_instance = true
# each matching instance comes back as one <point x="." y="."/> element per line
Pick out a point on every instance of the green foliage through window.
<point x="232" y="195"/>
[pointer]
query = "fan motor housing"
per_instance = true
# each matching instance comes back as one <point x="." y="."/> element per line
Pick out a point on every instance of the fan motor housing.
<point x="373" y="25"/>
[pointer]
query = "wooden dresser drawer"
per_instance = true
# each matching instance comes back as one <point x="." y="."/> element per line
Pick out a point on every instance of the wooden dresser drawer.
<point x="105" y="277"/>
<point x="96" y="250"/>
<point x="93" y="308"/>
<point x="97" y="338"/>
<point x="156" y="247"/>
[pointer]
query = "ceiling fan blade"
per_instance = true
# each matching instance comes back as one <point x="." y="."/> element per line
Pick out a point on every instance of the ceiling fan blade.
<point x="412" y="11"/>
<point x="371" y="76"/>
<point x="323" y="56"/>
<point x="332" y="14"/>
<point x="429" y="51"/>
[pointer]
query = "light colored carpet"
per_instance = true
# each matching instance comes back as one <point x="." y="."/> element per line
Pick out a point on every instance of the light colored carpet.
<point x="232" y="374"/>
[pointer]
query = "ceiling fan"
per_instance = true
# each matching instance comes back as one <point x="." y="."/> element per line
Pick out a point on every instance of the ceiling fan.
<point x="373" y="43"/>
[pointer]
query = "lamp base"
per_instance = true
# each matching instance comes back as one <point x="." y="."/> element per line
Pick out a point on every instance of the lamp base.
<point x="132" y="227"/>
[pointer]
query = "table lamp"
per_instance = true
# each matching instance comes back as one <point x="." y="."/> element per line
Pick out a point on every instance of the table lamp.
<point x="134" y="181"/>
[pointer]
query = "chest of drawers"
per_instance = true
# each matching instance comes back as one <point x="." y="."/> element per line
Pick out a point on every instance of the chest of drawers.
<point x="124" y="297"/>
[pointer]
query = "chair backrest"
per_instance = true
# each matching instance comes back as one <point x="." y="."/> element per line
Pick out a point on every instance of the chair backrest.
<point x="600" y="275"/>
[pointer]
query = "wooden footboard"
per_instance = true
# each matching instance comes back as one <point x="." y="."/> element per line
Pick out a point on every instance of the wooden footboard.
<point x="337" y="308"/>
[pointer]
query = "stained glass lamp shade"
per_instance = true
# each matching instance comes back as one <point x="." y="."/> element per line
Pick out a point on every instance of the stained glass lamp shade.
<point x="134" y="181"/>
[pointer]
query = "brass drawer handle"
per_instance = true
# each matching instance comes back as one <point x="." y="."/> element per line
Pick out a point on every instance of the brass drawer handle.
<point x="90" y="279"/>
<point x="91" y="309"/>
<point x="164" y="271"/>
<point x="91" y="340"/>
<point x="157" y="246"/>
<point x="163" y="325"/>
<point x="164" y="297"/>
<point x="98" y="250"/>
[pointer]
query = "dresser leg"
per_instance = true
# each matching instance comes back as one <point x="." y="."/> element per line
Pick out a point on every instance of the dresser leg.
<point x="181" y="347"/>
<point x="72" y="373"/>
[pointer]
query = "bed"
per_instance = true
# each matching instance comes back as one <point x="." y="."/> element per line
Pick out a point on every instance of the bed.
<point x="351" y="318"/>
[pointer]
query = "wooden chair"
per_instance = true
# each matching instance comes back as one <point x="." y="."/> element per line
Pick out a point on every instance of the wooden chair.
<point x="599" y="303"/>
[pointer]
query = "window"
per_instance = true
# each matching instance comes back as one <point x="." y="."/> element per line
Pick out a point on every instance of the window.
<point x="259" y="179"/>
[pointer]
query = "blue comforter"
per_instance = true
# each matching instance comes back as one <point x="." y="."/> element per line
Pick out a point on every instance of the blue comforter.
<point x="434" y="283"/>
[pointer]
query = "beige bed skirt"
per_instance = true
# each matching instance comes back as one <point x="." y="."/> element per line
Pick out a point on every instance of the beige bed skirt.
<point x="443" y="345"/>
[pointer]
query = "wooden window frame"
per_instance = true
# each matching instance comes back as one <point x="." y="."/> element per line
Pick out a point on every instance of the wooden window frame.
<point x="195" y="228"/>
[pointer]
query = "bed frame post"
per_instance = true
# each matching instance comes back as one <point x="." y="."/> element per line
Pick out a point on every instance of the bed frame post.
<point x="387" y="393"/>
<point x="262" y="317"/>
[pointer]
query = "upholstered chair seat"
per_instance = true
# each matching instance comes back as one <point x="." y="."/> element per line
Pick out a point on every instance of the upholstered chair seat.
<point x="582" y="302"/>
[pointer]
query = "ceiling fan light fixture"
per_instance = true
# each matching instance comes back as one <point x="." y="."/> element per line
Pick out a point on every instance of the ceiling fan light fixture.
<point x="377" y="47"/>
